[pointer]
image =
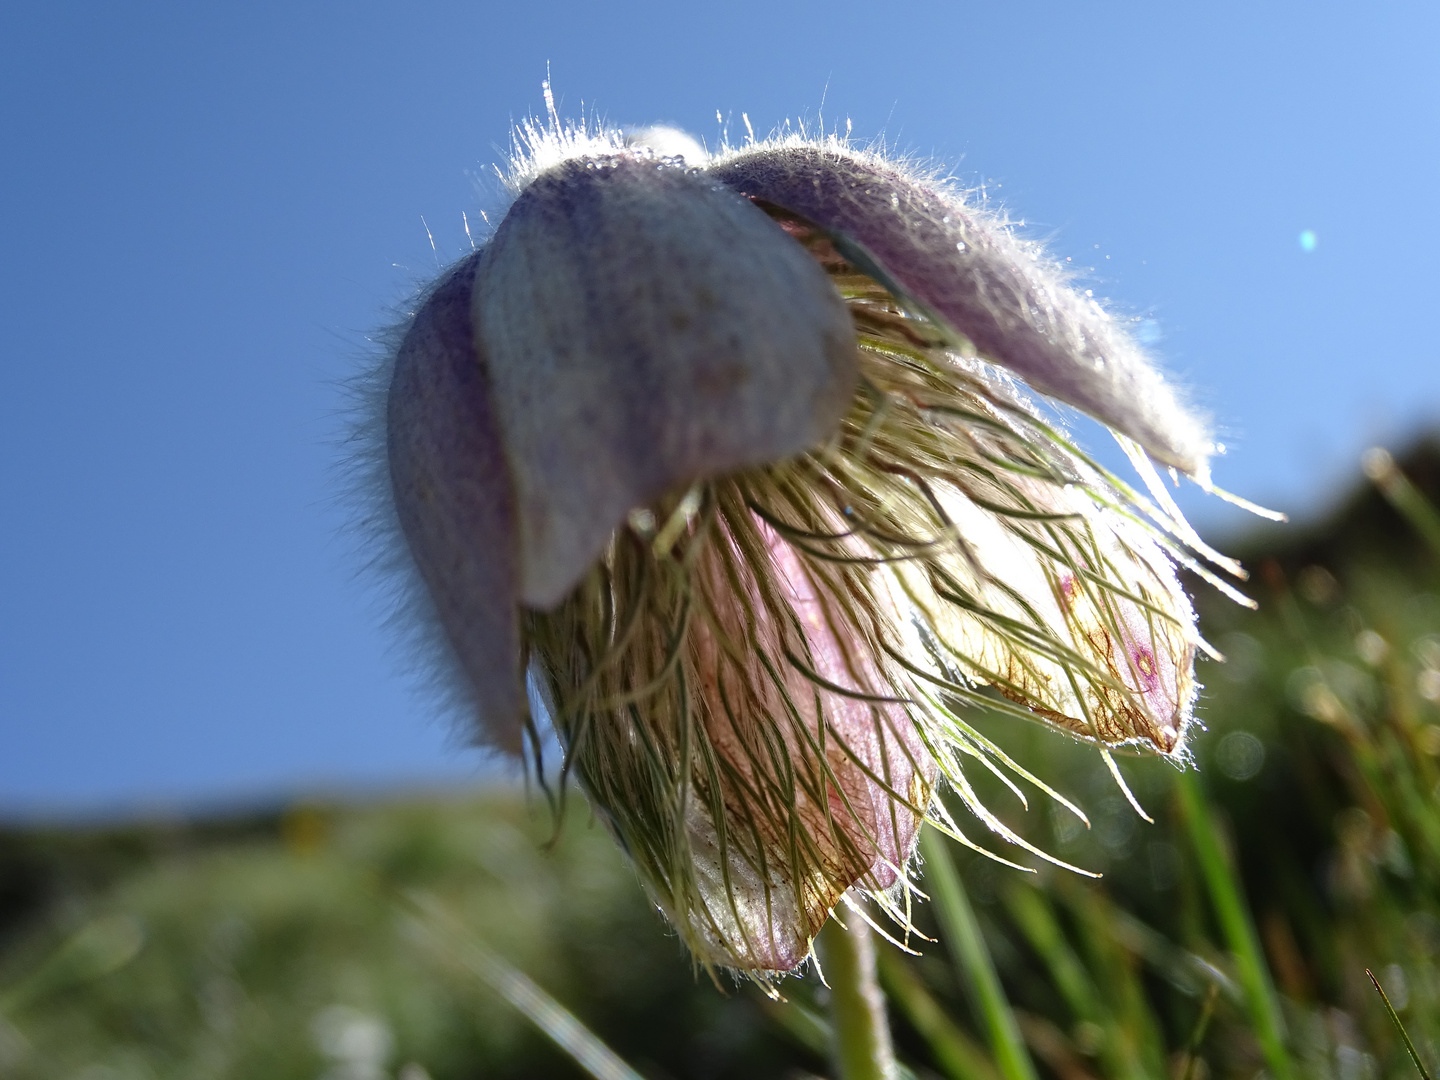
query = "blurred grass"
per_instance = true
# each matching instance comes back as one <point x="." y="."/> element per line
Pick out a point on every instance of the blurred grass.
<point x="1229" y="939"/>
<point x="260" y="954"/>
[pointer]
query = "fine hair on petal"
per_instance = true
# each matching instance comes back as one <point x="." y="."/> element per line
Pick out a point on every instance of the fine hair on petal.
<point x="761" y="682"/>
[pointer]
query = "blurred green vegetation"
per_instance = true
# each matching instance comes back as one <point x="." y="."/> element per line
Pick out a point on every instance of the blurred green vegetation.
<point x="285" y="947"/>
<point x="1228" y="939"/>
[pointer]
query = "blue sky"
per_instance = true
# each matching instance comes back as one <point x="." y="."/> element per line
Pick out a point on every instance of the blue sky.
<point x="205" y="211"/>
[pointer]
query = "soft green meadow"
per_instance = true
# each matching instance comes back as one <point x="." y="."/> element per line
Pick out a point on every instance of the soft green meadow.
<point x="464" y="936"/>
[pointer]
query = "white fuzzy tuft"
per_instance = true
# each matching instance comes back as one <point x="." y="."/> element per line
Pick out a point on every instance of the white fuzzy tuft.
<point x="541" y="145"/>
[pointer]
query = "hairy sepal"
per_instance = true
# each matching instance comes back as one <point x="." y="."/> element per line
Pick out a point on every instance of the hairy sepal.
<point x="644" y="327"/>
<point x="1001" y="293"/>
<point x="455" y="500"/>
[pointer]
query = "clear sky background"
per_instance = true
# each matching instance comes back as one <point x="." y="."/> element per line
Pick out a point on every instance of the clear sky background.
<point x="204" y="212"/>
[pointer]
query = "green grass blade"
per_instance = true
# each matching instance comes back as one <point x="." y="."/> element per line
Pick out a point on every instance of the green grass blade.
<point x="977" y="970"/>
<point x="1032" y="913"/>
<point x="801" y="1025"/>
<point x="1410" y="1046"/>
<point x="1197" y="1033"/>
<point x="957" y="1054"/>
<point x="1133" y="1048"/>
<point x="1403" y="495"/>
<point x="96" y="949"/>
<point x="453" y="939"/>
<point x="1180" y="967"/>
<point x="1235" y="922"/>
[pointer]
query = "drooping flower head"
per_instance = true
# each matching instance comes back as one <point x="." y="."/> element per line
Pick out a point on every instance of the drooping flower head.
<point x="729" y="465"/>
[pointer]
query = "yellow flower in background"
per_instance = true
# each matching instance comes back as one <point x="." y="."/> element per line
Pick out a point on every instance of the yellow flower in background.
<point x="727" y="467"/>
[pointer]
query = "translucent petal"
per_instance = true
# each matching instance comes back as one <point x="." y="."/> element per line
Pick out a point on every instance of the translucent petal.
<point x="738" y="734"/>
<point x="1074" y="649"/>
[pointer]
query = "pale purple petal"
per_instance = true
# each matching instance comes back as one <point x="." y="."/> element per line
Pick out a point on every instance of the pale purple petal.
<point x="858" y="773"/>
<point x="646" y="328"/>
<point x="1002" y="293"/>
<point x="455" y="500"/>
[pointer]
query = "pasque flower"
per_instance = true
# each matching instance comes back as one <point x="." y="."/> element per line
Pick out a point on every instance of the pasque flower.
<point x="729" y="467"/>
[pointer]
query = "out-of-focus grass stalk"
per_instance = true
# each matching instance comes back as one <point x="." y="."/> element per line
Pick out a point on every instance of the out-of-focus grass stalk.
<point x="803" y="1025"/>
<point x="451" y="938"/>
<point x="860" y="1034"/>
<point x="955" y="1052"/>
<point x="1410" y="1046"/>
<point x="1235" y="922"/>
<point x="1132" y="1035"/>
<point x="1404" y="496"/>
<point x="1197" y="1034"/>
<point x="1131" y="1048"/>
<point x="96" y="949"/>
<point x="976" y="969"/>
<point x="1032" y="913"/>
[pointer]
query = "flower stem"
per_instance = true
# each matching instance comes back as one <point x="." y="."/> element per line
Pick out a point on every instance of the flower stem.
<point x="860" y="1034"/>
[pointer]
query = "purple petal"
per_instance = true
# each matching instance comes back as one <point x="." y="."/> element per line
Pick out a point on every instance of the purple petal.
<point x="455" y="499"/>
<point x="998" y="291"/>
<point x="644" y="328"/>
